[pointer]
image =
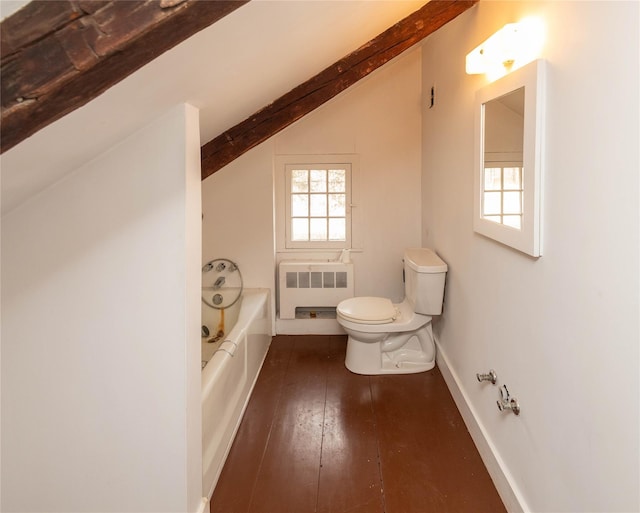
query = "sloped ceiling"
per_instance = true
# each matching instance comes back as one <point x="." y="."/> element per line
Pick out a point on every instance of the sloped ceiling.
<point x="57" y="56"/>
<point x="229" y="70"/>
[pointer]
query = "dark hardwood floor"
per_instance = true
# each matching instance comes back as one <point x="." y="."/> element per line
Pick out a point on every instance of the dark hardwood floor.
<point x="317" y="438"/>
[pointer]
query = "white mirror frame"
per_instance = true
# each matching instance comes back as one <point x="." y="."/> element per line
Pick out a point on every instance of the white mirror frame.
<point x="528" y="239"/>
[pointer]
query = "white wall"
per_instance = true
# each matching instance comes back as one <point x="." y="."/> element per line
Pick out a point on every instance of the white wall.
<point x="237" y="205"/>
<point x="379" y="120"/>
<point x="100" y="345"/>
<point x="561" y="331"/>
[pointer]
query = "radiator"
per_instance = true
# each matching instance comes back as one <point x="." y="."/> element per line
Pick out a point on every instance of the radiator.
<point x="312" y="283"/>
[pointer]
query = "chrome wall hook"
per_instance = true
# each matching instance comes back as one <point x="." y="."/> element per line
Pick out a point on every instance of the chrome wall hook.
<point x="490" y="376"/>
<point x="506" y="402"/>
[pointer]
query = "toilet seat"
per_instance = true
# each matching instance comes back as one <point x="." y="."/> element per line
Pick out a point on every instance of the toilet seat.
<point x="367" y="310"/>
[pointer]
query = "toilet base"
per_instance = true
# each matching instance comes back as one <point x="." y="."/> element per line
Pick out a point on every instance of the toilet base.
<point x="368" y="358"/>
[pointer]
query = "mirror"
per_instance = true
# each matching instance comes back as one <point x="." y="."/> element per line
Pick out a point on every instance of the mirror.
<point x="502" y="169"/>
<point x="507" y="176"/>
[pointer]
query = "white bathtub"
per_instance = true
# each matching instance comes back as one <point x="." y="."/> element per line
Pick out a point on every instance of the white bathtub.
<point x="229" y="376"/>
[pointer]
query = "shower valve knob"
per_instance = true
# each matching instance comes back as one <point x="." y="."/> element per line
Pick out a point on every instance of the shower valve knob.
<point x="510" y="404"/>
<point x="490" y="376"/>
<point x="506" y="402"/>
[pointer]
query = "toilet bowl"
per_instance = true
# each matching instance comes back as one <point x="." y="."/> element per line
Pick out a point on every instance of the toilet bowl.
<point x="387" y="338"/>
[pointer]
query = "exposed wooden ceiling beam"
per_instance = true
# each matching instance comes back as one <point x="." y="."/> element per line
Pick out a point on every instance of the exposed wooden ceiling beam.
<point x="309" y="95"/>
<point x="58" y="55"/>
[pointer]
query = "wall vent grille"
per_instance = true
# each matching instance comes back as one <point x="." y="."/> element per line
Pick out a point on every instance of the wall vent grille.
<point x="316" y="280"/>
<point x="312" y="284"/>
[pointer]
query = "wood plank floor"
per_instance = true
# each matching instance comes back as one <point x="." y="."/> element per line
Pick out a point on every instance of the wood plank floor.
<point x="317" y="438"/>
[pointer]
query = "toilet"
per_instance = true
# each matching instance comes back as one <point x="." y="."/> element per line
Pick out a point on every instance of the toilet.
<point x="387" y="338"/>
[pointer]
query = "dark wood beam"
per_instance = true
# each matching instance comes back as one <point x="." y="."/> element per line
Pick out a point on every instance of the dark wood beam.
<point x="311" y="94"/>
<point x="57" y="55"/>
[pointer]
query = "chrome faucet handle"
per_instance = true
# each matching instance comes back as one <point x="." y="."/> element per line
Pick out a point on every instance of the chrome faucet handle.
<point x="506" y="402"/>
<point x="490" y="376"/>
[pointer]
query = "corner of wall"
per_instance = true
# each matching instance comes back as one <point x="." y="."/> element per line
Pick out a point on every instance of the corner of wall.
<point x="500" y="475"/>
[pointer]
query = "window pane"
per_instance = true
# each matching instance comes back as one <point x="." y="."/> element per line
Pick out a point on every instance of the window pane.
<point x="512" y="202"/>
<point x="318" y="212"/>
<point x="495" y="219"/>
<point x="299" y="205"/>
<point x="513" y="221"/>
<point x="299" y="180"/>
<point x="318" y="205"/>
<point x="337" y="229"/>
<point x="299" y="229"/>
<point x="318" y="229"/>
<point x="491" y="204"/>
<point x="492" y="178"/>
<point x="512" y="178"/>
<point x="318" y="179"/>
<point x="337" y="180"/>
<point x="337" y="204"/>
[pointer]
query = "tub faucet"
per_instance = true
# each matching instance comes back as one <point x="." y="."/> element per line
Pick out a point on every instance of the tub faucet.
<point x="219" y="283"/>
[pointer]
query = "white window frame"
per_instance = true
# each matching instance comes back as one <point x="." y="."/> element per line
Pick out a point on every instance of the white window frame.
<point x="282" y="165"/>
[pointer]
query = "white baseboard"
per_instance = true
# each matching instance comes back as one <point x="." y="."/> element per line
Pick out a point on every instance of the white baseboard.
<point x="495" y="466"/>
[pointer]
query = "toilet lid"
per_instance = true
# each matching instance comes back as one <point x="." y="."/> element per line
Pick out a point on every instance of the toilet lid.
<point x="367" y="310"/>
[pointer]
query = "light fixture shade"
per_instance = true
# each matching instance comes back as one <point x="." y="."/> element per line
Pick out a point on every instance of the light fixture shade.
<point x="510" y="48"/>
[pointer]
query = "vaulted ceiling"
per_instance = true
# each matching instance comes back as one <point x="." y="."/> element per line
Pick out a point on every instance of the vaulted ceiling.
<point x="257" y="58"/>
<point x="57" y="56"/>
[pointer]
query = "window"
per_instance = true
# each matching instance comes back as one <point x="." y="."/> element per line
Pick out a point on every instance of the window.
<point x="318" y="205"/>
<point x="502" y="194"/>
<point x="315" y="202"/>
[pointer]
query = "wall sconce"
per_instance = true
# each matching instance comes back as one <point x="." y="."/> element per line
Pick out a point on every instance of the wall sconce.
<point x="513" y="46"/>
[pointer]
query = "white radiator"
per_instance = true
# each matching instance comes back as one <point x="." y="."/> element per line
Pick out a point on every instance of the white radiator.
<point x="312" y="283"/>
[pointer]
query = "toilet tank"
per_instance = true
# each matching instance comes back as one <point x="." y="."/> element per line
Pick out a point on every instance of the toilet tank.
<point x="424" y="274"/>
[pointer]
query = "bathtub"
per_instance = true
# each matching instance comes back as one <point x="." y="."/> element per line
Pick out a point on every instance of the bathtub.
<point x="231" y="369"/>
